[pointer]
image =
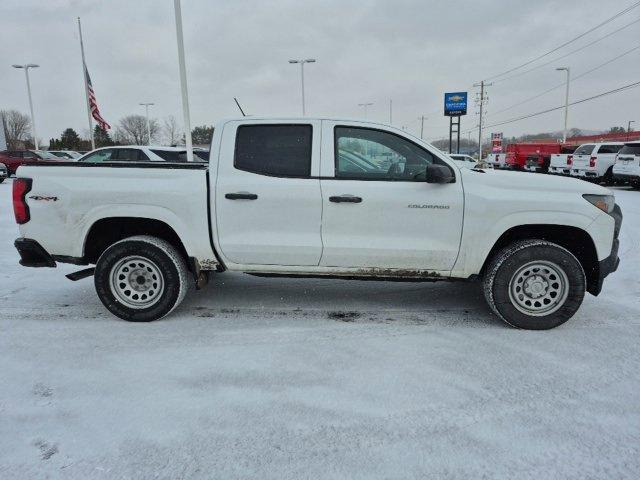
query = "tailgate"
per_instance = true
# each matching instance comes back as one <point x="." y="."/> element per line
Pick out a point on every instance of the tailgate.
<point x="581" y="161"/>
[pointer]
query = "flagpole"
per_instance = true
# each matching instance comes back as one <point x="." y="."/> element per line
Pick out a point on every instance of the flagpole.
<point x="183" y="81"/>
<point x="86" y="87"/>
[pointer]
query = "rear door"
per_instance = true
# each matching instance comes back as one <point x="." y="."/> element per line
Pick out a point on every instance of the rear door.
<point x="378" y="210"/>
<point x="267" y="194"/>
<point x="606" y="156"/>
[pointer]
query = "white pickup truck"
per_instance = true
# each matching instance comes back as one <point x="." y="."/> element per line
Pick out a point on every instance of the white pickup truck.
<point x="319" y="198"/>
<point x="595" y="161"/>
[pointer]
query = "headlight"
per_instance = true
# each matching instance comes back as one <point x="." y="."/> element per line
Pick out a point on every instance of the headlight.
<point x="603" y="202"/>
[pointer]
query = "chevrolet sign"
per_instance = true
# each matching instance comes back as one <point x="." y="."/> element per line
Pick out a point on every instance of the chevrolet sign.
<point x="455" y="104"/>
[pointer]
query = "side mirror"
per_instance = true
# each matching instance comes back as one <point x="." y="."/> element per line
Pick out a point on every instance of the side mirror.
<point x="439" y="174"/>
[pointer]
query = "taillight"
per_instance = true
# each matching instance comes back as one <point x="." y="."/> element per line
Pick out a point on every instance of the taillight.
<point x="569" y="159"/>
<point x="592" y="161"/>
<point x="21" y="186"/>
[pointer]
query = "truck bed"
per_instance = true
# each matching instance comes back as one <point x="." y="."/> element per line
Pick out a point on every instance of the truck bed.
<point x="78" y="195"/>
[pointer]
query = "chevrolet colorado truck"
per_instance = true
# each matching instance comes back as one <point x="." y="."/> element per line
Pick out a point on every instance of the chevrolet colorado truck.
<point x="318" y="198"/>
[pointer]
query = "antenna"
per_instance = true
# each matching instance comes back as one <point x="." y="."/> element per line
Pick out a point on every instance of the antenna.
<point x="238" y="104"/>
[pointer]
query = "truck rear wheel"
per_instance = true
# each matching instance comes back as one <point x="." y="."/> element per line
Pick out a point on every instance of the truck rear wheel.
<point x="534" y="284"/>
<point x="141" y="278"/>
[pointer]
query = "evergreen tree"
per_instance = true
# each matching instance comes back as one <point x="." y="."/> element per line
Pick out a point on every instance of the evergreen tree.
<point x="202" y="135"/>
<point x="69" y="140"/>
<point x="102" y="138"/>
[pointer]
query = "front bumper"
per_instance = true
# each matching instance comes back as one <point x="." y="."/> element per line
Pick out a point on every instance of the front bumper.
<point x="609" y="264"/>
<point x="32" y="254"/>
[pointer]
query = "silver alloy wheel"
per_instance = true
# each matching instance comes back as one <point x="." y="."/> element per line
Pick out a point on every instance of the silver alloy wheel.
<point x="539" y="288"/>
<point x="136" y="282"/>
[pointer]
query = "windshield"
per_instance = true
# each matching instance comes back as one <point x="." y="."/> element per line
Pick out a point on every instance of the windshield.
<point x="46" y="155"/>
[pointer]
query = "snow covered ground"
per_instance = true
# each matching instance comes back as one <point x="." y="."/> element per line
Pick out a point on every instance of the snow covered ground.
<point x="288" y="379"/>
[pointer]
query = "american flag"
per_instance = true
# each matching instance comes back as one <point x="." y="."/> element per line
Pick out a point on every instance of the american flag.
<point x="93" y="104"/>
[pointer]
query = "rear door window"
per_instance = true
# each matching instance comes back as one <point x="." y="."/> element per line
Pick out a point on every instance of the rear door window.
<point x="129" y="155"/>
<point x="282" y="150"/>
<point x="584" y="149"/>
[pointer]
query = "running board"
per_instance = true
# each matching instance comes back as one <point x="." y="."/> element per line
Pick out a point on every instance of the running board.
<point x="79" y="275"/>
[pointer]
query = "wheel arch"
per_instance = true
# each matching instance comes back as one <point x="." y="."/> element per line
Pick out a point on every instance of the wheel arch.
<point x="574" y="239"/>
<point x="106" y="231"/>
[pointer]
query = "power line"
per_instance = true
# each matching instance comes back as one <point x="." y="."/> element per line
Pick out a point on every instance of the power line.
<point x="517" y="119"/>
<point x="608" y="20"/>
<point x="573" y="80"/>
<point x="567" y="54"/>
<point x="576" y="102"/>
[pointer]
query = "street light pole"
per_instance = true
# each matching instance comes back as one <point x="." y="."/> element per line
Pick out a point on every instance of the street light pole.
<point x="365" y="105"/>
<point x="33" y="119"/>
<point x="566" y="103"/>
<point x="302" y="62"/>
<point x="146" y="107"/>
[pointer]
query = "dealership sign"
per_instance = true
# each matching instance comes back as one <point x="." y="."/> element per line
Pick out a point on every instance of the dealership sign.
<point x="455" y="104"/>
<point x="496" y="142"/>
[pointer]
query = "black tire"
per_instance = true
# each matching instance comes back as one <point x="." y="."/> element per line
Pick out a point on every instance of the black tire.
<point x="557" y="268"/>
<point x="120" y="269"/>
<point x="607" y="178"/>
<point x="1" y="180"/>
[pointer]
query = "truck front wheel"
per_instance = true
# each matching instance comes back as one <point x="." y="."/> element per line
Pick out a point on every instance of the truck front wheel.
<point x="534" y="284"/>
<point x="141" y="278"/>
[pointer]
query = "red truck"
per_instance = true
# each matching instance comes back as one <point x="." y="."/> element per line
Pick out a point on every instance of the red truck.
<point x="531" y="156"/>
<point x="14" y="158"/>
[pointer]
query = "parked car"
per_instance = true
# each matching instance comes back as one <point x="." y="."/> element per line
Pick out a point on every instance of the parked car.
<point x="465" y="161"/>
<point x="594" y="161"/>
<point x="560" y="163"/>
<point x="497" y="160"/>
<point x="537" y="154"/>
<point x="278" y="198"/>
<point x="137" y="153"/>
<point x="70" y="154"/>
<point x="14" y="158"/>
<point x="627" y="166"/>
<point x="4" y="172"/>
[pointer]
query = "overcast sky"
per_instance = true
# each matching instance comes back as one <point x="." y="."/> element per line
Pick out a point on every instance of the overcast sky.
<point x="411" y="51"/>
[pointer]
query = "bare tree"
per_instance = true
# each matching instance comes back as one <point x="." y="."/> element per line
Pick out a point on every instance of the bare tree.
<point x="171" y="130"/>
<point x="132" y="130"/>
<point x="17" y="128"/>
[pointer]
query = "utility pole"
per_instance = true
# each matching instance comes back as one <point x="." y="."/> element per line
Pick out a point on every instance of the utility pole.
<point x="422" y="127"/>
<point x="146" y="107"/>
<point x="365" y="105"/>
<point x="480" y="100"/>
<point x="566" y="103"/>
<point x="390" y="112"/>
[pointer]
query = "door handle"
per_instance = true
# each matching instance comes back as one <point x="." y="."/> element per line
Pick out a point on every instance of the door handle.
<point x="345" y="199"/>
<point x="241" y="196"/>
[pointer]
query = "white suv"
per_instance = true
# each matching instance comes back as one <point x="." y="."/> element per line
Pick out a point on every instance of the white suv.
<point x="627" y="166"/>
<point x="594" y="161"/>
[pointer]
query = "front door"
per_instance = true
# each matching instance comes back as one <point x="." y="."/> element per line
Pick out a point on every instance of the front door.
<point x="268" y="203"/>
<point x="378" y="210"/>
